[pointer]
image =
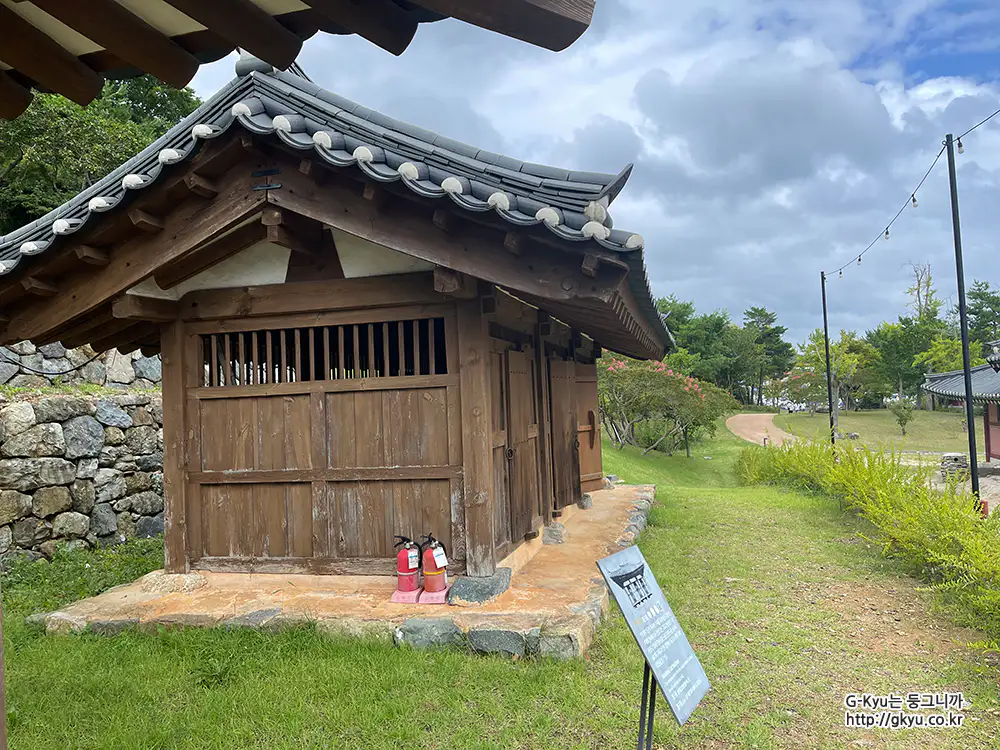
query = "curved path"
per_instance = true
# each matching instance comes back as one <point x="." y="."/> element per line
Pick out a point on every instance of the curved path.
<point x="755" y="427"/>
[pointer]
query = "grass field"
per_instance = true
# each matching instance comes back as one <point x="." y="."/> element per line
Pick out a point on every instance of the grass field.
<point x="787" y="607"/>
<point x="932" y="431"/>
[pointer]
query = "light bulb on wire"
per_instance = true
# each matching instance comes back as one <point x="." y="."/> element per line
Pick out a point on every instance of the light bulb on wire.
<point x="859" y="260"/>
<point x="887" y="232"/>
<point x="961" y="148"/>
<point x="913" y="199"/>
<point x="841" y="273"/>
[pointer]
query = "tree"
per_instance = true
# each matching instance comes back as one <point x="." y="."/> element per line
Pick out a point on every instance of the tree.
<point x="945" y="355"/>
<point x="778" y="354"/>
<point x="902" y="410"/>
<point x="983" y="310"/>
<point x="851" y="361"/>
<point x="925" y="303"/>
<point x="56" y="148"/>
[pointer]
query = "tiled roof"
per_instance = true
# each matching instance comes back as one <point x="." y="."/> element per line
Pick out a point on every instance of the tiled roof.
<point x="985" y="384"/>
<point x="572" y="205"/>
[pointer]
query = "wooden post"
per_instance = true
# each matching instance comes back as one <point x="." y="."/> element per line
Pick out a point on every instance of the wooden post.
<point x="546" y="491"/>
<point x="477" y="432"/>
<point x="174" y="484"/>
<point x="986" y="430"/>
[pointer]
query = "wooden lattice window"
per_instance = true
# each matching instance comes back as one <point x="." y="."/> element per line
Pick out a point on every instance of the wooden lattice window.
<point x="403" y="348"/>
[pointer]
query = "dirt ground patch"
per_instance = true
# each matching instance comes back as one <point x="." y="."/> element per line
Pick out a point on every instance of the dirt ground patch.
<point x="756" y="427"/>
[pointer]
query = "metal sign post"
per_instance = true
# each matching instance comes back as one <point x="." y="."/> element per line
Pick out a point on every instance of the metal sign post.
<point x="671" y="663"/>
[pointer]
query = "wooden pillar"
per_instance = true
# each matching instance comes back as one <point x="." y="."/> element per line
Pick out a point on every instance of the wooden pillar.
<point x="547" y="491"/>
<point x="174" y="484"/>
<point x="477" y="436"/>
<point x="986" y="429"/>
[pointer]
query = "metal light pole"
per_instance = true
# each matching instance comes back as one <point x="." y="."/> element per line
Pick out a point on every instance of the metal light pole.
<point x="963" y="318"/>
<point x="826" y="343"/>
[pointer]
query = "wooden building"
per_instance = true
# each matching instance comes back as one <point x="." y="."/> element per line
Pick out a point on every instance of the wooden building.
<point x="985" y="392"/>
<point x="71" y="46"/>
<point x="367" y="329"/>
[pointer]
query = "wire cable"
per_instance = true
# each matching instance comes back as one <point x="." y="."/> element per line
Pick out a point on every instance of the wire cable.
<point x="978" y="124"/>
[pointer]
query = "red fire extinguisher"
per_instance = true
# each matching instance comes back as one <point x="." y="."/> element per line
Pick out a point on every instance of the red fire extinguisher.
<point x="435" y="559"/>
<point x="407" y="566"/>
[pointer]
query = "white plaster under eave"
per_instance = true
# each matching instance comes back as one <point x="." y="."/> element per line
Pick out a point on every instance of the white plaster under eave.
<point x="360" y="258"/>
<point x="261" y="263"/>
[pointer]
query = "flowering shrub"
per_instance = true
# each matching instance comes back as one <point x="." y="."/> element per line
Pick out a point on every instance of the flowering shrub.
<point x="653" y="406"/>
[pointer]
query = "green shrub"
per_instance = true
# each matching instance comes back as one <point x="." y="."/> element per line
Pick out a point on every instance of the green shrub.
<point x="937" y="533"/>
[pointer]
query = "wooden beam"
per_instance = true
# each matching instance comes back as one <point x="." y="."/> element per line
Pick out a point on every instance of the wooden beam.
<point x="134" y="307"/>
<point x="470" y="248"/>
<point x="174" y="449"/>
<point x="201" y="186"/>
<point x="39" y="287"/>
<point x="382" y="22"/>
<point x="14" y="98"/>
<point x="185" y="229"/>
<point x="92" y="256"/>
<point x="134" y="331"/>
<point x="145" y="221"/>
<point x="208" y="255"/>
<point x="377" y="194"/>
<point x="477" y="437"/>
<point x="306" y="297"/>
<point x="553" y="24"/>
<point x="444" y="220"/>
<point x="244" y="24"/>
<point x="39" y="57"/>
<point x="271" y="216"/>
<point x="513" y="243"/>
<point x="124" y="34"/>
<point x="590" y="265"/>
<point x="79" y="334"/>
<point x="454" y="284"/>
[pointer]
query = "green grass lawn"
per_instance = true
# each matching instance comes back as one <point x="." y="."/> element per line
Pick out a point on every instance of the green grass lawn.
<point x="785" y="604"/>
<point x="932" y="431"/>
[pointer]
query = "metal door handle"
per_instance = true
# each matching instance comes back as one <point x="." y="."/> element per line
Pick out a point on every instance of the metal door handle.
<point x="509" y="453"/>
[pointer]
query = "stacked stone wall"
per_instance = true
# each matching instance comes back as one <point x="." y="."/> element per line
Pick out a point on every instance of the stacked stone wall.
<point x="24" y="365"/>
<point x="79" y="470"/>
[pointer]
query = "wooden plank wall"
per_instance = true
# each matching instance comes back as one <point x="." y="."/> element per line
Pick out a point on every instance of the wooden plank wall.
<point x="589" y="429"/>
<point x="319" y="475"/>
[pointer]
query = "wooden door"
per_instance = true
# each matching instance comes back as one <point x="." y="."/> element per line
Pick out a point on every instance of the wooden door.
<point x="522" y="443"/>
<point x="565" y="457"/>
<point x="589" y="428"/>
<point x="501" y="464"/>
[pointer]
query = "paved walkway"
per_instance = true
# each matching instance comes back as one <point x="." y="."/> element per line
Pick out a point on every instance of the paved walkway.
<point x="755" y="427"/>
<point x="555" y="590"/>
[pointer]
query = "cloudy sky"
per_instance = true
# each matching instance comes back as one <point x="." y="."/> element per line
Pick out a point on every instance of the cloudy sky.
<point x="771" y="138"/>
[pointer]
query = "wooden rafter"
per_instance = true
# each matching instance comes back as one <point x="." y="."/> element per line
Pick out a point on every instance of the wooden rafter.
<point x="381" y="22"/>
<point x="37" y="56"/>
<point x="209" y="255"/>
<point x="124" y="34"/>
<point x="244" y="24"/>
<point x="14" y="98"/>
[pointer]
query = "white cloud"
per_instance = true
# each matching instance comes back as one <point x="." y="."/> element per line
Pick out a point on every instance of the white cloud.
<point x="772" y="138"/>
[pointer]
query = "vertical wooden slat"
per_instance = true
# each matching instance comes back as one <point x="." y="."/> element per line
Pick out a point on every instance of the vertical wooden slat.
<point x="477" y="435"/>
<point x="416" y="348"/>
<point x="370" y="328"/>
<point x="357" y="351"/>
<point x="242" y="359"/>
<point x="283" y="375"/>
<point x="214" y="374"/>
<point x="402" y="348"/>
<point x="297" y="359"/>
<point x="326" y="353"/>
<point x="254" y="363"/>
<point x="268" y="358"/>
<point x="321" y="542"/>
<point x="228" y="365"/>
<point x="340" y="353"/>
<point x="430" y="346"/>
<point x="174" y="480"/>
<point x="385" y="350"/>
<point x="312" y="354"/>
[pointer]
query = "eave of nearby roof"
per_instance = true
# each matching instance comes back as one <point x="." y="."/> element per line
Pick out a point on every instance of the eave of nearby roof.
<point x="985" y="384"/>
<point x="572" y="205"/>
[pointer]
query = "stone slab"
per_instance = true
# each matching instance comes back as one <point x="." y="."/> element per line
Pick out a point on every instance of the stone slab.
<point x="549" y="608"/>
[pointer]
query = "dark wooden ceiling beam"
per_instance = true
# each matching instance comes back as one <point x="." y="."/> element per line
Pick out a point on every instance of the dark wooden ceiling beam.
<point x="134" y="307"/>
<point x="381" y="22"/>
<point x="209" y="255"/>
<point x="14" y="98"/>
<point x="39" y="57"/>
<point x="127" y="36"/>
<point x="244" y="24"/>
<point x="133" y="331"/>
<point x="553" y="24"/>
<point x="82" y="332"/>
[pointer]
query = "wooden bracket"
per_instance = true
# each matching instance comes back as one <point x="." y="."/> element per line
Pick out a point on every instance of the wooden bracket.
<point x="92" y="256"/>
<point x="590" y="265"/>
<point x="201" y="186"/>
<point x="145" y="221"/>
<point x="544" y="323"/>
<point x="454" y="284"/>
<point x="133" y="307"/>
<point x="376" y="194"/>
<point x="38" y="287"/>
<point x="514" y="243"/>
<point x="444" y="220"/>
